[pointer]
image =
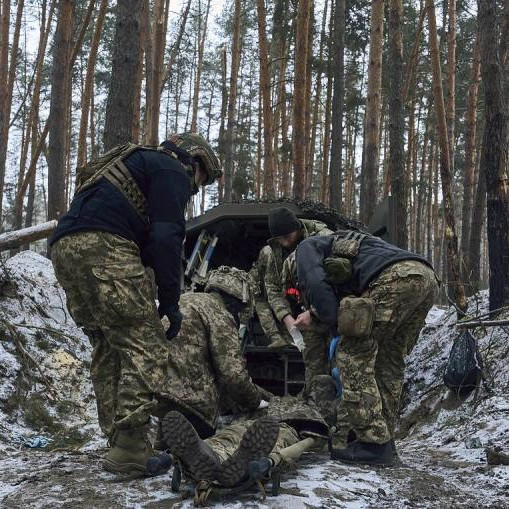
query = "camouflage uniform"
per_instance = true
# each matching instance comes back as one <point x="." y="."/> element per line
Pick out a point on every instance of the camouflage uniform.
<point x="205" y="366"/>
<point x="273" y="329"/>
<point x="297" y="421"/>
<point x="316" y="337"/>
<point x="110" y="295"/>
<point x="372" y="367"/>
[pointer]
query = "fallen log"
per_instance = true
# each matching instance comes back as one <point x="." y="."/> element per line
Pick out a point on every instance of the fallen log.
<point x="16" y="238"/>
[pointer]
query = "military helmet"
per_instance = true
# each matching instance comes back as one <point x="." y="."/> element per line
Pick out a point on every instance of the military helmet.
<point x="232" y="281"/>
<point x="289" y="272"/>
<point x="198" y="148"/>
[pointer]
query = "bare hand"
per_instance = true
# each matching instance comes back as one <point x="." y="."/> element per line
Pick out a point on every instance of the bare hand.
<point x="303" y="320"/>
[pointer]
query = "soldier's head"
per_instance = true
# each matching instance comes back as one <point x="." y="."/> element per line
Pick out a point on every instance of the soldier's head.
<point x="284" y="226"/>
<point x="195" y="153"/>
<point x="237" y="290"/>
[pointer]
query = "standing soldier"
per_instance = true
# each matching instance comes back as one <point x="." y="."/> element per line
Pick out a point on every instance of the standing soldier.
<point x="287" y="232"/>
<point x="384" y="294"/>
<point x="128" y="213"/>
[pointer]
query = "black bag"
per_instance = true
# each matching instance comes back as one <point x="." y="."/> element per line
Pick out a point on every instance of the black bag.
<point x="464" y="368"/>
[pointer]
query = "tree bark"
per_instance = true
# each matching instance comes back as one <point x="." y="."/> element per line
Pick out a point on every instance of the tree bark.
<point x="470" y="156"/>
<point x="120" y="106"/>
<point x="336" y="158"/>
<point x="494" y="158"/>
<point x="451" y="80"/>
<point x="232" y="101"/>
<point x="445" y="171"/>
<point x="59" y="110"/>
<point x="268" y="154"/>
<point x="397" y="121"/>
<point x="369" y="176"/>
<point x="299" y="98"/>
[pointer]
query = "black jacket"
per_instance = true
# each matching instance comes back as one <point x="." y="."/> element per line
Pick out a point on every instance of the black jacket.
<point x="167" y="188"/>
<point x="373" y="257"/>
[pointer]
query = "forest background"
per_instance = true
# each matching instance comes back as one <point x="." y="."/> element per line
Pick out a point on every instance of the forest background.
<point x="339" y="101"/>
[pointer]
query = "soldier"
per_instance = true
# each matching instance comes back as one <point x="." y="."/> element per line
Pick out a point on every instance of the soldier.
<point x="128" y="213"/>
<point x="392" y="291"/>
<point x="206" y="369"/>
<point x="248" y="448"/>
<point x="287" y="232"/>
<point x="274" y="330"/>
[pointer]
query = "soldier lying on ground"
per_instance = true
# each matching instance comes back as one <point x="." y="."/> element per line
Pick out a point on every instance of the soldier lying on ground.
<point x="287" y="232"/>
<point x="392" y="291"/>
<point x="249" y="447"/>
<point x="206" y="368"/>
<point x="128" y="212"/>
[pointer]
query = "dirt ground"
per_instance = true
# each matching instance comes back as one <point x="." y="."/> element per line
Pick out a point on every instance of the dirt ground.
<point x="427" y="478"/>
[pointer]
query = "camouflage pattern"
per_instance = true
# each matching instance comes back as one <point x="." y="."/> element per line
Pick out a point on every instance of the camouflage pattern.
<point x="227" y="440"/>
<point x="200" y="149"/>
<point x="273" y="276"/>
<point x="274" y="330"/>
<point x="206" y="369"/>
<point x="372" y="367"/>
<point x="110" y="295"/>
<point x="298" y="420"/>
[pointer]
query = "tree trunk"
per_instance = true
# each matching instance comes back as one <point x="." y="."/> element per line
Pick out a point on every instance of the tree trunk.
<point x="222" y="132"/>
<point x="176" y="47"/>
<point x="89" y="84"/>
<point x="397" y="121"/>
<point x="268" y="155"/>
<point x="120" y="106"/>
<point x="59" y="110"/>
<point x="478" y="219"/>
<point x="494" y="158"/>
<point x="470" y="156"/>
<point x="451" y="80"/>
<point x="7" y="75"/>
<point x="338" y="58"/>
<point x="445" y="171"/>
<point x="369" y="177"/>
<point x="199" y="66"/>
<point x="232" y="101"/>
<point x="299" y="98"/>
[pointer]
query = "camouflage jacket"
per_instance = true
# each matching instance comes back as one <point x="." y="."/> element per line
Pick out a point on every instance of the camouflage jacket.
<point x="205" y="365"/>
<point x="272" y="277"/>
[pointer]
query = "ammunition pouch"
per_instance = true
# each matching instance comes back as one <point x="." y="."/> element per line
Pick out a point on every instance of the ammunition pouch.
<point x="356" y="316"/>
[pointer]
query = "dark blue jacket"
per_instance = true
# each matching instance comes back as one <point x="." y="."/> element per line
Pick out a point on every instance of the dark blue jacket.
<point x="167" y="188"/>
<point x="373" y="257"/>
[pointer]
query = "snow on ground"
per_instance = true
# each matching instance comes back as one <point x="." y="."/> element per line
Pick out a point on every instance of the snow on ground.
<point x="45" y="393"/>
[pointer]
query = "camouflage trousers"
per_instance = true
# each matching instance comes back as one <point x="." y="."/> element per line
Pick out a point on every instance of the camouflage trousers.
<point x="315" y="354"/>
<point x="268" y="321"/>
<point x="373" y="367"/>
<point x="226" y="441"/>
<point x="110" y="295"/>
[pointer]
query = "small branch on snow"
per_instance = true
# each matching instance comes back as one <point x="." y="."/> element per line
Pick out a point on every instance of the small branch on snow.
<point x="481" y="323"/>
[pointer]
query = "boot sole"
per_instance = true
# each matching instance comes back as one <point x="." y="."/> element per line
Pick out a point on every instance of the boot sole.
<point x="184" y="443"/>
<point x="124" y="468"/>
<point x="257" y="442"/>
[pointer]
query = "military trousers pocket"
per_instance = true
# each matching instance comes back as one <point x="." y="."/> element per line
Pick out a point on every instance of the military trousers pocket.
<point x="123" y="293"/>
<point x="356" y="316"/>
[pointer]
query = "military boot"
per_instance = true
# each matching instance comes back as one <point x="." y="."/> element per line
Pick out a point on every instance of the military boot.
<point x="257" y="442"/>
<point x="364" y="453"/>
<point x="132" y="453"/>
<point x="196" y="456"/>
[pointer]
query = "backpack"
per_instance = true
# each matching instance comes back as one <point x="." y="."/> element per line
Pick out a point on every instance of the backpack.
<point x="464" y="369"/>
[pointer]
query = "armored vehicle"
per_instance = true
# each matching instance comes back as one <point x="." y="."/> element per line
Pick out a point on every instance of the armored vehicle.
<point x="233" y="234"/>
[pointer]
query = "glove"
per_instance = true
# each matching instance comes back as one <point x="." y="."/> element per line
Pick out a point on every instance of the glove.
<point x="175" y="318"/>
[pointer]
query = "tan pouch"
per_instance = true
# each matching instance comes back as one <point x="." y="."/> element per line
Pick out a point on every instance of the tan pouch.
<point x="355" y="316"/>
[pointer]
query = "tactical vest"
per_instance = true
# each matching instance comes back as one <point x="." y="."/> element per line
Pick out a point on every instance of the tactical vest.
<point x="111" y="166"/>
